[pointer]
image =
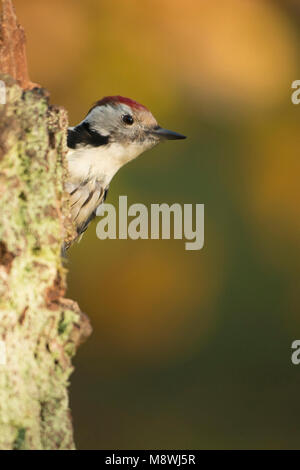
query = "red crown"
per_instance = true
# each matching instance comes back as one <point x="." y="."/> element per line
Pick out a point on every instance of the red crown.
<point x="114" y="100"/>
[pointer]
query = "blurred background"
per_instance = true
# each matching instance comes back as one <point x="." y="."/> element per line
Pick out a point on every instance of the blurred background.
<point x="190" y="349"/>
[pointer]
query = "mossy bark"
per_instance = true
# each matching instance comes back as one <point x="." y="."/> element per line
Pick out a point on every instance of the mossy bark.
<point x="39" y="327"/>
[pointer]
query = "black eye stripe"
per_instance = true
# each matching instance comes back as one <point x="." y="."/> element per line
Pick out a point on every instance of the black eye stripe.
<point x="127" y="119"/>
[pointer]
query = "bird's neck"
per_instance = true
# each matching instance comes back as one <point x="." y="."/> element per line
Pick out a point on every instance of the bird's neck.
<point x="100" y="163"/>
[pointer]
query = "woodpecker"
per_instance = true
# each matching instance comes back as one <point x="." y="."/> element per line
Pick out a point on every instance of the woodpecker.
<point x="115" y="131"/>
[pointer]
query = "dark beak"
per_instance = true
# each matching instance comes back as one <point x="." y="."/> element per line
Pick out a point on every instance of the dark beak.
<point x="166" y="134"/>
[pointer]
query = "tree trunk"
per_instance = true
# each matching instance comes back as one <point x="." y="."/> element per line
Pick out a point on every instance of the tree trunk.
<point x="39" y="329"/>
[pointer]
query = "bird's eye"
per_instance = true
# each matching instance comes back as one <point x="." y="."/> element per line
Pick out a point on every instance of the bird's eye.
<point x="127" y="119"/>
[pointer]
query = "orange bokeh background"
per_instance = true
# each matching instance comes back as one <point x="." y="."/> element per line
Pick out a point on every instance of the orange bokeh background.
<point x="190" y="349"/>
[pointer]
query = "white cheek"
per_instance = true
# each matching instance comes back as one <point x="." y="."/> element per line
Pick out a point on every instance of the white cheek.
<point x="124" y="154"/>
<point x="101" y="163"/>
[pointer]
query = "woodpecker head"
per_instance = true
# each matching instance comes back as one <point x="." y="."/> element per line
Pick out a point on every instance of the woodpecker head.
<point x="119" y="123"/>
<point x="115" y="131"/>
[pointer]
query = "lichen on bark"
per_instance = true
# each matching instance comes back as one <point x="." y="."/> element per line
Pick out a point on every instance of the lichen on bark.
<point x="39" y="327"/>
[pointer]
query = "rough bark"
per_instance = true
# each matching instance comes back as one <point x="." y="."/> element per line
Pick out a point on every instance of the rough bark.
<point x="13" y="58"/>
<point x="41" y="330"/>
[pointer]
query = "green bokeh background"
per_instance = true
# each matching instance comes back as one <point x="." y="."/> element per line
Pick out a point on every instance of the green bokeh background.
<point x="190" y="349"/>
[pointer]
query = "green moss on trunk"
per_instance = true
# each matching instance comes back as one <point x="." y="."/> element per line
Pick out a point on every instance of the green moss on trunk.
<point x="40" y="328"/>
